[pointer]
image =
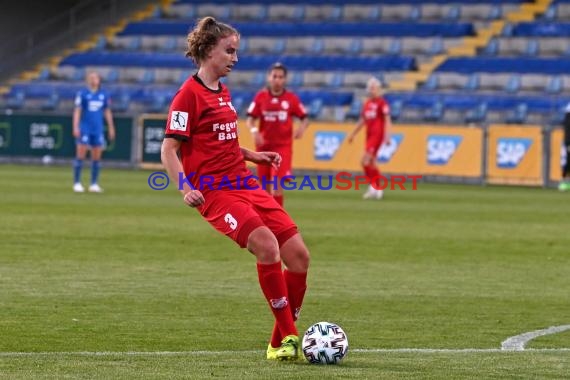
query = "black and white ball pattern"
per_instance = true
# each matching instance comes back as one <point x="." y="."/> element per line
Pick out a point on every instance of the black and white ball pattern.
<point x="325" y="343"/>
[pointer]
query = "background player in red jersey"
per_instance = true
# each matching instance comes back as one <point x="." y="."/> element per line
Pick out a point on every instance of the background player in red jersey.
<point x="276" y="107"/>
<point x="201" y="127"/>
<point x="376" y="116"/>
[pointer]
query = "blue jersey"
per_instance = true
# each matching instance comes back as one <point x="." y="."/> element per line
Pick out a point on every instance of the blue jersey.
<point x="93" y="105"/>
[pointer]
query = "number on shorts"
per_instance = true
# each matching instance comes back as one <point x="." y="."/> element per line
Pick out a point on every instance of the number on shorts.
<point x="231" y="221"/>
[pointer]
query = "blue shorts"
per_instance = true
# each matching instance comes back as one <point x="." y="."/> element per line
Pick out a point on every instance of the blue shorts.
<point x="94" y="140"/>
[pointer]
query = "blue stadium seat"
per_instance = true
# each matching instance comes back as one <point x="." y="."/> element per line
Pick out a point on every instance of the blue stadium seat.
<point x="518" y="115"/>
<point x="44" y="74"/>
<point x="355" y="46"/>
<point x="395" y="47"/>
<point x="415" y="13"/>
<point x="148" y="77"/>
<point x="507" y="30"/>
<point x="513" y="84"/>
<point x="532" y="48"/>
<point x="354" y="110"/>
<point x="316" y="29"/>
<point x="249" y="12"/>
<point x="396" y="107"/>
<point x="238" y="102"/>
<point x="436" y="47"/>
<point x="16" y="100"/>
<point x="520" y="65"/>
<point x="158" y="103"/>
<point x="51" y="103"/>
<point x="495" y="13"/>
<point x="100" y="44"/>
<point x="477" y="115"/>
<point x="295" y="79"/>
<point x="551" y="13"/>
<point x="315" y="108"/>
<point x="472" y="83"/>
<point x="121" y="103"/>
<point x="336" y="80"/>
<point x="258" y="80"/>
<point x="317" y="46"/>
<point x="432" y="83"/>
<point x="554" y="85"/>
<point x="360" y="12"/>
<point x="435" y="112"/>
<point x="557" y="117"/>
<point x="79" y="74"/>
<point x="454" y="14"/>
<point x="112" y="76"/>
<point x="170" y="44"/>
<point x="492" y="47"/>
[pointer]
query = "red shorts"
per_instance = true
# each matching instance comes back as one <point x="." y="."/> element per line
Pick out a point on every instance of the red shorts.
<point x="372" y="149"/>
<point x="284" y="168"/>
<point x="236" y="213"/>
<point x="373" y="145"/>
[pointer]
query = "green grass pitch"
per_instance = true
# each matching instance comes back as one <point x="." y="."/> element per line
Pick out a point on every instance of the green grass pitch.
<point x="142" y="280"/>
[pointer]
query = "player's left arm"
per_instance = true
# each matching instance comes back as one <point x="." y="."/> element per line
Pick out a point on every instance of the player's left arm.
<point x="110" y="123"/>
<point x="298" y="110"/>
<point x="302" y="128"/>
<point x="387" y="124"/>
<point x="109" y="118"/>
<point x="262" y="158"/>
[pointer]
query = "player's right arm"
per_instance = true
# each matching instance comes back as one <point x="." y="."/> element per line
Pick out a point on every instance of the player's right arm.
<point x="357" y="129"/>
<point x="178" y="130"/>
<point x="77" y="116"/>
<point x="173" y="166"/>
<point x="387" y="123"/>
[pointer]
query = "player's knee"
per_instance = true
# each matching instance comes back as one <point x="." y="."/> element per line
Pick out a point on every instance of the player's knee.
<point x="263" y="244"/>
<point x="303" y="259"/>
<point x="296" y="255"/>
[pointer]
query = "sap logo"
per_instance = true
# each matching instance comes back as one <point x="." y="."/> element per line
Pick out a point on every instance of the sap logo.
<point x="511" y="151"/>
<point x="387" y="151"/>
<point x="327" y="144"/>
<point x="440" y="148"/>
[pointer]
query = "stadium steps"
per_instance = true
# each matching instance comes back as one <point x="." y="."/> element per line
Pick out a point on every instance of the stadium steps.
<point x="86" y="45"/>
<point x="526" y="12"/>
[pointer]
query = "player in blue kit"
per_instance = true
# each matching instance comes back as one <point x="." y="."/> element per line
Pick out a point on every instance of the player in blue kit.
<point x="91" y="107"/>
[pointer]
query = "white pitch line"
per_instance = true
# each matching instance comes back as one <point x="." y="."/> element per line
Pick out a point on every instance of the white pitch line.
<point x="206" y="353"/>
<point x="517" y="343"/>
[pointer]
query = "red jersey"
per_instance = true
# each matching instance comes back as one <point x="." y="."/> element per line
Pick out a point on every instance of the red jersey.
<point x="373" y="113"/>
<point x="276" y="117"/>
<point x="206" y="123"/>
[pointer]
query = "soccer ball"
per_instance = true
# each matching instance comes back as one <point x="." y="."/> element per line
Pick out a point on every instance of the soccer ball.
<point x="325" y="343"/>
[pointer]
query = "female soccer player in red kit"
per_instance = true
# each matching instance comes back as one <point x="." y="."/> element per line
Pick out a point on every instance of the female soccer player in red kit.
<point x="376" y="116"/>
<point x="202" y="128"/>
<point x="276" y="107"/>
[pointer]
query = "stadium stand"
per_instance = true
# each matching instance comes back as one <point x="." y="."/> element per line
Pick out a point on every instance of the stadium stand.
<point x="440" y="61"/>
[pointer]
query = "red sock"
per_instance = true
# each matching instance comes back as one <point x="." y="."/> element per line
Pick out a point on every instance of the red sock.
<point x="279" y="199"/>
<point x="373" y="175"/>
<point x="296" y="287"/>
<point x="274" y="288"/>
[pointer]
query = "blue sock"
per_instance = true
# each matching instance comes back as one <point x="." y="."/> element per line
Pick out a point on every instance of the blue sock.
<point x="77" y="164"/>
<point x="95" y="167"/>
